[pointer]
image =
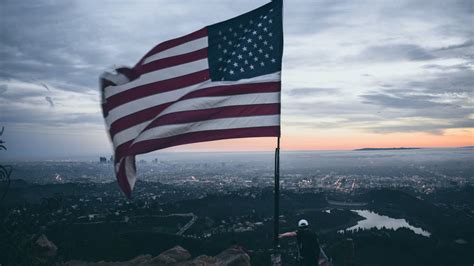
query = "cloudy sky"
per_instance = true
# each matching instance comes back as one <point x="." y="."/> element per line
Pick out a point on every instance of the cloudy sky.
<point x="356" y="73"/>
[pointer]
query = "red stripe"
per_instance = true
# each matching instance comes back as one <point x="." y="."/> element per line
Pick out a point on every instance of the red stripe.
<point x="175" y="42"/>
<point x="228" y="90"/>
<point x="202" y="136"/>
<point x="122" y="149"/>
<point x="122" y="180"/>
<point x="149" y="113"/>
<point x="215" y="113"/>
<point x="155" y="88"/>
<point x="171" y="61"/>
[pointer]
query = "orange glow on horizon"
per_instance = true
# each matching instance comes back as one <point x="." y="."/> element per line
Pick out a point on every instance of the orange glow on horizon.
<point x="339" y="140"/>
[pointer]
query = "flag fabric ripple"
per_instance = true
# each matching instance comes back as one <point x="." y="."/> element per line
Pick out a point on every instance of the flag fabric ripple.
<point x="220" y="82"/>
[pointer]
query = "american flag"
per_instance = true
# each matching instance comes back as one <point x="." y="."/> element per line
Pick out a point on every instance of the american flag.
<point x="220" y="82"/>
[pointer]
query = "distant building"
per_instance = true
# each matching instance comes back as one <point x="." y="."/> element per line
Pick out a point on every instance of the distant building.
<point x="102" y="160"/>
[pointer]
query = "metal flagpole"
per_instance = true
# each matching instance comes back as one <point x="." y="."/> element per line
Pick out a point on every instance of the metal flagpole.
<point x="276" y="217"/>
<point x="276" y="256"/>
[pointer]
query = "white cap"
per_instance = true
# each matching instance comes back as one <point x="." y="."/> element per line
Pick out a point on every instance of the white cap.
<point x="303" y="223"/>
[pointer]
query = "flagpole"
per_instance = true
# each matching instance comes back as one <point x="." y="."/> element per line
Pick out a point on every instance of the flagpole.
<point x="276" y="217"/>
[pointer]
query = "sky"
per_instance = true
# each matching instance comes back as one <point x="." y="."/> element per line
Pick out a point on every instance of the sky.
<point x="355" y="73"/>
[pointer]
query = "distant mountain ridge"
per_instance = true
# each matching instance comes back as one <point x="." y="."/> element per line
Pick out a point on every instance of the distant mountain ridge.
<point x="387" y="149"/>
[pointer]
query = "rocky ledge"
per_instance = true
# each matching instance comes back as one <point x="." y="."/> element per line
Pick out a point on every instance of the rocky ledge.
<point x="178" y="256"/>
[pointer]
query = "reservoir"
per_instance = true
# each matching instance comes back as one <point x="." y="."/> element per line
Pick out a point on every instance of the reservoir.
<point x="374" y="220"/>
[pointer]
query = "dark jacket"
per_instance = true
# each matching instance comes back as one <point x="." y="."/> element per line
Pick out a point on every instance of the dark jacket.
<point x="308" y="247"/>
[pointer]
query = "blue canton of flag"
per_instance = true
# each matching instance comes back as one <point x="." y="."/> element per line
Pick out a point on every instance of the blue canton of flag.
<point x="247" y="46"/>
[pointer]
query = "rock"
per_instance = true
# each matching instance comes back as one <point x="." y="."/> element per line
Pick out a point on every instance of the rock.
<point x="171" y="256"/>
<point x="44" y="249"/>
<point x="178" y="256"/>
<point x="233" y="256"/>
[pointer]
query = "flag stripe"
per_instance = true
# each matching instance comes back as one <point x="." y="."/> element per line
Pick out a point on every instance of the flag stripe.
<point x="144" y="98"/>
<point x="169" y="73"/>
<point x="149" y="113"/>
<point x="172" y="61"/>
<point x="214" y="124"/>
<point x="184" y="48"/>
<point x="201" y="136"/>
<point x="129" y="98"/>
<point x="203" y="115"/>
<point x="199" y="104"/>
<point x="175" y="42"/>
<point x="216" y="113"/>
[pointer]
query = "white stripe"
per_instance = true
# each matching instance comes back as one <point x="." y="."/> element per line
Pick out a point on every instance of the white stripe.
<point x="215" y="124"/>
<point x="201" y="103"/>
<point x="130" y="171"/>
<point x="159" y="75"/>
<point x="117" y="78"/>
<point x="184" y="48"/>
<point x="171" y="96"/>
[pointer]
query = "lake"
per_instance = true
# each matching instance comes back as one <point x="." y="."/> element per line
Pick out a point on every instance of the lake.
<point x="374" y="220"/>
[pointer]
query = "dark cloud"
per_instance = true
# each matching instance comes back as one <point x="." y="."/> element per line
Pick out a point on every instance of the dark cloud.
<point x="395" y="52"/>
<point x="49" y="100"/>
<point x="402" y="101"/>
<point x="305" y="92"/>
<point x="432" y="128"/>
<point x="466" y="44"/>
<point x="461" y="81"/>
<point x="3" y="88"/>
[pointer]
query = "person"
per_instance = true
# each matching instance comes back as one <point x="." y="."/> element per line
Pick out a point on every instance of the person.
<point x="308" y="244"/>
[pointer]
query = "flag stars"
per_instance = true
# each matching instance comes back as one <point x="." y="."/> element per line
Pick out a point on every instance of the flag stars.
<point x="245" y="49"/>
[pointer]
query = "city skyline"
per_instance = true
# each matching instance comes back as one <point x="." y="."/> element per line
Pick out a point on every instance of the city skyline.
<point x="355" y="75"/>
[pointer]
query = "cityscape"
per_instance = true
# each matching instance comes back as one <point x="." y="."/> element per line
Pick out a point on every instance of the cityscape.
<point x="208" y="203"/>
